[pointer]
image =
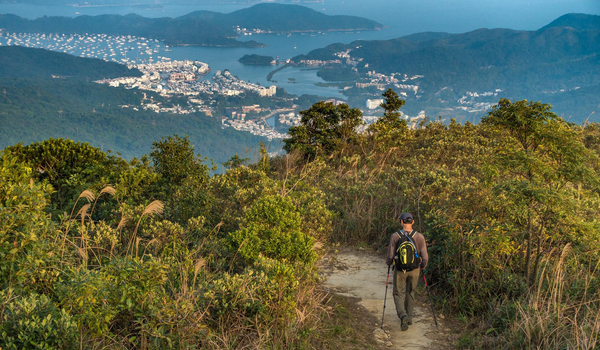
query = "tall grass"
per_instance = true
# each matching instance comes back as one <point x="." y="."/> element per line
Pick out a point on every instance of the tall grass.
<point x="564" y="311"/>
<point x="145" y="282"/>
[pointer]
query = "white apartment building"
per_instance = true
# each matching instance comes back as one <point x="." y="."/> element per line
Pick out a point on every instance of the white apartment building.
<point x="372" y="104"/>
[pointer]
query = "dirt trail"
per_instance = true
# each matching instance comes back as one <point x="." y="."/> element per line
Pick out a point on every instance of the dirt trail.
<point x="362" y="275"/>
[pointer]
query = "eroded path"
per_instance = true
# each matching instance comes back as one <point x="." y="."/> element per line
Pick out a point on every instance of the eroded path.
<point x="362" y="275"/>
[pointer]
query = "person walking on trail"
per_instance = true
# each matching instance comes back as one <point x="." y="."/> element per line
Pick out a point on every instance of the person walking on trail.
<point x="408" y="252"/>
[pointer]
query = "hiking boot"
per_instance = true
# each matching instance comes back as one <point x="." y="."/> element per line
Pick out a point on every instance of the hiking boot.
<point x="409" y="321"/>
<point x="404" y="323"/>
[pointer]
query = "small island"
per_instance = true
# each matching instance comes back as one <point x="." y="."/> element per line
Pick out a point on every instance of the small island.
<point x="257" y="60"/>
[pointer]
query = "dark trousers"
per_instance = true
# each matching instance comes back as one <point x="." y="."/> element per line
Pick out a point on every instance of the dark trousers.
<point x="405" y="284"/>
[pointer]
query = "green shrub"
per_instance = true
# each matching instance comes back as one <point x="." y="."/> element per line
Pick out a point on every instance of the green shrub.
<point x="272" y="228"/>
<point x="25" y="254"/>
<point x="267" y="290"/>
<point x="121" y="294"/>
<point x="89" y="296"/>
<point x="34" y="322"/>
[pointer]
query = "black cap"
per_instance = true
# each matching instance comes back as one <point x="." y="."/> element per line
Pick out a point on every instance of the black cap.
<point x="406" y="216"/>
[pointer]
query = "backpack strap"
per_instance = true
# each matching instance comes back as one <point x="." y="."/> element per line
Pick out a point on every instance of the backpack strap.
<point x="409" y="235"/>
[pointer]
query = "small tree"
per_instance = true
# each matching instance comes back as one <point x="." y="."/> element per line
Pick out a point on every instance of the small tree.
<point x="389" y="126"/>
<point x="540" y="163"/>
<point x="69" y="166"/>
<point x="175" y="160"/>
<point x="325" y="128"/>
<point x="183" y="178"/>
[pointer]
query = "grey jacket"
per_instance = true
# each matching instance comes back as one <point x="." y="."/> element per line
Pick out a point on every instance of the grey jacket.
<point x="419" y="242"/>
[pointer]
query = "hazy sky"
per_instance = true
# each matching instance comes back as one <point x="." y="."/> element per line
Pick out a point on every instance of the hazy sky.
<point x="461" y="15"/>
<point x="402" y="16"/>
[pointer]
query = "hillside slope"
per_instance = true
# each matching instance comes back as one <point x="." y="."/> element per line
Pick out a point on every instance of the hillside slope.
<point x="21" y="62"/>
<point x="35" y="107"/>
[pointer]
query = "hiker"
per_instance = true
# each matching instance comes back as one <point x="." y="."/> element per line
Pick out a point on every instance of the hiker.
<point x="408" y="252"/>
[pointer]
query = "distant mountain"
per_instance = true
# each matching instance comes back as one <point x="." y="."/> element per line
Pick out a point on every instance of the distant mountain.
<point x="285" y="18"/>
<point x="576" y="21"/>
<point x="185" y="31"/>
<point x="426" y="36"/>
<point x="541" y="64"/>
<point x="198" y="28"/>
<point x="149" y="3"/>
<point x="21" y="62"/>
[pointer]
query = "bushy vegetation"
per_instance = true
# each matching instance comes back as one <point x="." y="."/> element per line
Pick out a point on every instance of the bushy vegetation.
<point x="509" y="208"/>
<point x="164" y="257"/>
<point x="257" y="60"/>
<point x="167" y="256"/>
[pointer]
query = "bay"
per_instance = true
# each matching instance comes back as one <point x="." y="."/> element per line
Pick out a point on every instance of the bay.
<point x="401" y="17"/>
<point x="294" y="80"/>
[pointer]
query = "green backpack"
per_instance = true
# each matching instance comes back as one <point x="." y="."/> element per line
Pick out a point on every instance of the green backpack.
<point x="407" y="258"/>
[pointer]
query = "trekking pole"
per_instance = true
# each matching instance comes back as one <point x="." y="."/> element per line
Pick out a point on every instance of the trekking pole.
<point x="385" y="297"/>
<point x="430" y="303"/>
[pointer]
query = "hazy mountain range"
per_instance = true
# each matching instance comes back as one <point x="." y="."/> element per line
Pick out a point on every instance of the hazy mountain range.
<point x="561" y="57"/>
<point x="198" y="28"/>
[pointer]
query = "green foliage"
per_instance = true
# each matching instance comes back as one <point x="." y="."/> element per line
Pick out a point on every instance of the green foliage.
<point x="70" y="167"/>
<point x="325" y="128"/>
<point x="25" y="260"/>
<point x="235" y="192"/>
<point x="89" y="296"/>
<point x="509" y="208"/>
<point x="92" y="113"/>
<point x="338" y="74"/>
<point x="235" y="162"/>
<point x="174" y="160"/>
<point x="34" y="322"/>
<point x="272" y="228"/>
<point x="498" y="203"/>
<point x="390" y="127"/>
<point x="137" y="181"/>
<point x="121" y="269"/>
<point x="549" y="158"/>
<point x="266" y="287"/>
